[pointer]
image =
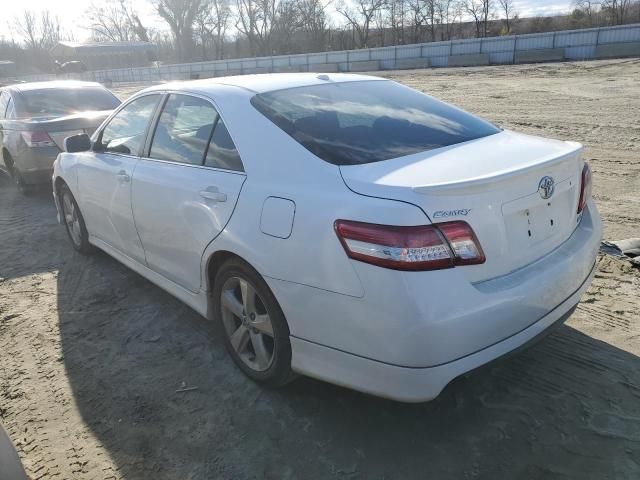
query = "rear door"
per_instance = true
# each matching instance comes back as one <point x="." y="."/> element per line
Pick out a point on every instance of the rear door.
<point x="104" y="177"/>
<point x="186" y="190"/>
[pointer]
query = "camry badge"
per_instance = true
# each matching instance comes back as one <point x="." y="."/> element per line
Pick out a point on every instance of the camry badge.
<point x="546" y="187"/>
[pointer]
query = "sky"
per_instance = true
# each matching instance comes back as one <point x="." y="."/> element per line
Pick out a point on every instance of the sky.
<point x="72" y="17"/>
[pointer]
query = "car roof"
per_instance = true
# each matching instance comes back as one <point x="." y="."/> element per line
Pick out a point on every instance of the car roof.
<point x="262" y="82"/>
<point x="55" y="84"/>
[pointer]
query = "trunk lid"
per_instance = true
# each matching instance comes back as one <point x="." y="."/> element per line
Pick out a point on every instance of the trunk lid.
<point x="497" y="184"/>
<point x="60" y="128"/>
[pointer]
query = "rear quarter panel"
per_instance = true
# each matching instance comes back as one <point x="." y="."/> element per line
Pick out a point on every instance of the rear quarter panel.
<point x="277" y="166"/>
<point x="9" y="138"/>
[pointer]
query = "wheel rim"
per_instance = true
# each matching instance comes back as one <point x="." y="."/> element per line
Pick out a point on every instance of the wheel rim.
<point x="71" y="219"/>
<point x="247" y="323"/>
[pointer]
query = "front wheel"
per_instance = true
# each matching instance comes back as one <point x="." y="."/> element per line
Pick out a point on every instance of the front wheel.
<point x="73" y="221"/>
<point x="255" y="330"/>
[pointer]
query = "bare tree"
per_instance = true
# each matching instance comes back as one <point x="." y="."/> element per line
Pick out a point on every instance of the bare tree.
<point x="180" y="15"/>
<point x="111" y="21"/>
<point x="380" y="24"/>
<point x="417" y="19"/>
<point x="314" y="23"/>
<point x="448" y="12"/>
<point x="212" y="23"/>
<point x="508" y="9"/>
<point x="430" y="13"/>
<point x="40" y="30"/>
<point x="286" y="22"/>
<point x="247" y="21"/>
<point x="360" y="17"/>
<point x="616" y="10"/>
<point x="425" y="14"/>
<point x="479" y="10"/>
<point x="255" y="22"/>
<point x="141" y="31"/>
<point x="397" y="10"/>
<point x="585" y="13"/>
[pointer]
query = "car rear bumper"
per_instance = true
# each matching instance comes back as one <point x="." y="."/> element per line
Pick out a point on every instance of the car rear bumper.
<point x="413" y="332"/>
<point x="416" y="384"/>
<point x="37" y="176"/>
<point x="36" y="164"/>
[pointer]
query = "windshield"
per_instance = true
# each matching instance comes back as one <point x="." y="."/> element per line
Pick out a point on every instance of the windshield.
<point x="65" y="101"/>
<point x="351" y="123"/>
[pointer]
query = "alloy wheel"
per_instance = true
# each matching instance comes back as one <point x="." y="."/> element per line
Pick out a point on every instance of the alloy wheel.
<point x="247" y="323"/>
<point x="71" y="219"/>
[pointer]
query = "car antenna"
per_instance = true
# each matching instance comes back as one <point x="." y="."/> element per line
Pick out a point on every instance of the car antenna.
<point x="324" y="77"/>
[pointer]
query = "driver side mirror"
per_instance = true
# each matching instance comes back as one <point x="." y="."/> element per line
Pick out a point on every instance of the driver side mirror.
<point x="77" y="143"/>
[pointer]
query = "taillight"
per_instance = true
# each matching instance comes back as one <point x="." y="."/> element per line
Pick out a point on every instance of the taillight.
<point x="464" y="243"/>
<point x="37" y="138"/>
<point x="585" y="187"/>
<point x="428" y="247"/>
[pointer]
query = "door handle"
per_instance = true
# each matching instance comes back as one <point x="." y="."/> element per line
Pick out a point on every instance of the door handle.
<point x="122" y="176"/>
<point x="213" y="194"/>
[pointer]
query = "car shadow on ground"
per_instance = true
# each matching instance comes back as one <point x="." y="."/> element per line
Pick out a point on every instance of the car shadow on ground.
<point x="562" y="407"/>
<point x="566" y="408"/>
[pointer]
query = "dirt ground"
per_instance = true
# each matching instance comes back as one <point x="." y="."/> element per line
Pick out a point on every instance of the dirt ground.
<point x="91" y="354"/>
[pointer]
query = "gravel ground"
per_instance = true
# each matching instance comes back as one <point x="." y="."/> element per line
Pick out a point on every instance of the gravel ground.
<point x="91" y="354"/>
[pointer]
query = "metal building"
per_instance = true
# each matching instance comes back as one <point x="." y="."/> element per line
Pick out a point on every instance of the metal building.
<point x="106" y="55"/>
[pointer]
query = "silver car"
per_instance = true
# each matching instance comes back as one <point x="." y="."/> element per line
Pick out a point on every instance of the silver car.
<point x="35" y="118"/>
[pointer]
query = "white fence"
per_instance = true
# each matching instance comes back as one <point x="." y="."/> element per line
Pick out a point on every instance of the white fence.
<point x="606" y="42"/>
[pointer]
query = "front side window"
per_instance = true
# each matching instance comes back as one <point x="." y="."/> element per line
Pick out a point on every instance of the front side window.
<point x="126" y="131"/>
<point x="183" y="130"/>
<point x="351" y="123"/>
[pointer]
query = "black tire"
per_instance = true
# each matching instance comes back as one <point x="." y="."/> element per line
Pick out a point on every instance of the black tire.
<point x="17" y="177"/>
<point x="23" y="187"/>
<point x="79" y="240"/>
<point x="279" y="372"/>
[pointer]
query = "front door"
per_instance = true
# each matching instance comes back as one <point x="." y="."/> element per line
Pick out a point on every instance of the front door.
<point x="4" y="103"/>
<point x="104" y="177"/>
<point x="185" y="192"/>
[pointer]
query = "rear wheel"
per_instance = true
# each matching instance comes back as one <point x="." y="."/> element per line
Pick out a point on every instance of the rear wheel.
<point x="22" y="186"/>
<point x="17" y="177"/>
<point x="255" y="330"/>
<point x="73" y="221"/>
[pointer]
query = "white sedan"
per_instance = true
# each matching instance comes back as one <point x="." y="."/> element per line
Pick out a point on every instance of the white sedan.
<point x="343" y="227"/>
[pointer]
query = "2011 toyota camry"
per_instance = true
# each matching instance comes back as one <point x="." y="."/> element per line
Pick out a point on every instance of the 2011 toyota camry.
<point x="339" y="226"/>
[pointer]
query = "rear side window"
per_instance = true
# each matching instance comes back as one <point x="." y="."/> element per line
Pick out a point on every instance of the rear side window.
<point x="351" y="123"/>
<point x="125" y="132"/>
<point x="183" y="130"/>
<point x="222" y="151"/>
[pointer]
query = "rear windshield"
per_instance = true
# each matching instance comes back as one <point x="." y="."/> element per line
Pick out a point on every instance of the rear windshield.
<point x="351" y="123"/>
<point x="65" y="101"/>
